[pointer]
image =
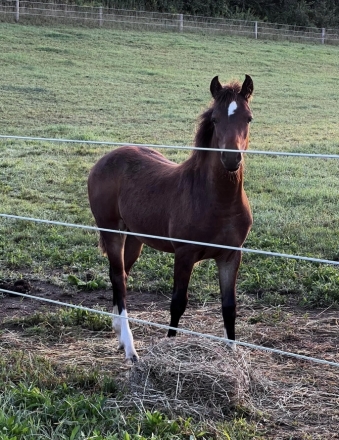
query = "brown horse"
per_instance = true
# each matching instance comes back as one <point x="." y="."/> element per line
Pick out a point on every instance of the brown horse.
<point x="202" y="199"/>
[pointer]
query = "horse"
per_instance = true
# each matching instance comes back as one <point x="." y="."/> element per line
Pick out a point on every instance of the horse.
<point x="137" y="189"/>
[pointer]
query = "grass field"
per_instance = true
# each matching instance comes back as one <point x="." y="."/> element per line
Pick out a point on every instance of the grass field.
<point x="77" y="83"/>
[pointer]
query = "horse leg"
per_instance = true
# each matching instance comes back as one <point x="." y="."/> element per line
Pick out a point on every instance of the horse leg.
<point x="228" y="271"/>
<point x="114" y="244"/>
<point x="132" y="251"/>
<point x="183" y="266"/>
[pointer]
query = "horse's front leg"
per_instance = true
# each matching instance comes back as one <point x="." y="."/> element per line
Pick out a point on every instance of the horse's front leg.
<point x="115" y="251"/>
<point x="183" y="266"/>
<point x="228" y="271"/>
<point x="120" y="323"/>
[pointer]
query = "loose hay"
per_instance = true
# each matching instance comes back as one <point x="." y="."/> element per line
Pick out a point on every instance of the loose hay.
<point x="189" y="375"/>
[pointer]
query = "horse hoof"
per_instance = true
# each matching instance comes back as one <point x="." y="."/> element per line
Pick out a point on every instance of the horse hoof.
<point x="135" y="359"/>
<point x="132" y="359"/>
<point x="232" y="346"/>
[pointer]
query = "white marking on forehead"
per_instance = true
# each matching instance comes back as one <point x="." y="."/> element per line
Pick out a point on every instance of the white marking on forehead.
<point x="232" y="108"/>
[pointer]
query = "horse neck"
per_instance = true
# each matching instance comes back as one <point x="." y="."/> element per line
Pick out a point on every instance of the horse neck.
<point x="225" y="183"/>
<point x="209" y="169"/>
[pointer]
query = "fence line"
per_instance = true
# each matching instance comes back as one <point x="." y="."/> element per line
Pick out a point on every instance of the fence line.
<point x="177" y="240"/>
<point x="39" y="12"/>
<point x="179" y="147"/>
<point x="180" y="330"/>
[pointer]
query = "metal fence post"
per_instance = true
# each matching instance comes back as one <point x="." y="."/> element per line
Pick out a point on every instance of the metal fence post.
<point x="17" y="10"/>
<point x="181" y="22"/>
<point x="323" y="33"/>
<point x="256" y="30"/>
<point x="100" y="16"/>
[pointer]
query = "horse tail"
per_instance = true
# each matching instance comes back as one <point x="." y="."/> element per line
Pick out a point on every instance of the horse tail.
<point x="102" y="245"/>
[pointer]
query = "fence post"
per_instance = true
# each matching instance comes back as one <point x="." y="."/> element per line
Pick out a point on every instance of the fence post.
<point x="323" y="33"/>
<point x="100" y="16"/>
<point x="181" y="22"/>
<point x="17" y="10"/>
<point x="256" y="30"/>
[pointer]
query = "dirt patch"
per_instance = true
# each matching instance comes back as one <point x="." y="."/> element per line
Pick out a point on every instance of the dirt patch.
<point x="293" y="399"/>
<point x="13" y="305"/>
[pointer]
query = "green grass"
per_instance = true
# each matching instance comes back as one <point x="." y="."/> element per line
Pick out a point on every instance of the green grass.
<point x="149" y="87"/>
<point x="68" y="317"/>
<point x="69" y="411"/>
<point x="29" y="412"/>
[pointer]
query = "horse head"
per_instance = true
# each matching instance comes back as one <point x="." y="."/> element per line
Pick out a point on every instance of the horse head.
<point x="231" y="115"/>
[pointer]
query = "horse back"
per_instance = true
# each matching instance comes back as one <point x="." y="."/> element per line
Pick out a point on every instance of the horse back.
<point x="130" y="188"/>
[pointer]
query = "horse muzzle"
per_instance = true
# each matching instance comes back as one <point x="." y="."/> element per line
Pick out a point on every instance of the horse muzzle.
<point x="231" y="161"/>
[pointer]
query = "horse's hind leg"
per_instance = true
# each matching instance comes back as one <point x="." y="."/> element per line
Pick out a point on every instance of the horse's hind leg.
<point x="132" y="251"/>
<point x="114" y="246"/>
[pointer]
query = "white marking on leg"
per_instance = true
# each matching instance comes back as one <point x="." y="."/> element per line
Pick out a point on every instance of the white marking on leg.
<point x="127" y="337"/>
<point x="116" y="321"/>
<point x="232" y="108"/>
<point x="124" y="334"/>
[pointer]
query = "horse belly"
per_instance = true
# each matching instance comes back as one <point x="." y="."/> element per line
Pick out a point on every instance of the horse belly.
<point x="143" y="213"/>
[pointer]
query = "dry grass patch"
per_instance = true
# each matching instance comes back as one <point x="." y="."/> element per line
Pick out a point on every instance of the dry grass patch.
<point x="283" y="397"/>
<point x="191" y="376"/>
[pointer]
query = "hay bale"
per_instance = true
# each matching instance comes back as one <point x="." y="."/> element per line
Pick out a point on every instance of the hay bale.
<point x="189" y="375"/>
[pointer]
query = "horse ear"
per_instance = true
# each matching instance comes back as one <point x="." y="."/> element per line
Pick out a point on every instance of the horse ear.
<point x="247" y="88"/>
<point x="215" y="87"/>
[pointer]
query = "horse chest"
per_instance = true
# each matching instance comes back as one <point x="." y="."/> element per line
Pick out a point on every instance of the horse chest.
<point x="232" y="227"/>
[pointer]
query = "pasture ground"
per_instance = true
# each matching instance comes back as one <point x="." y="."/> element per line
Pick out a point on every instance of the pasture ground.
<point x="297" y="399"/>
<point x="57" y="367"/>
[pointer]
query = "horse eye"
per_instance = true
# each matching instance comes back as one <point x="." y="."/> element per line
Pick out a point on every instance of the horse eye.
<point x="214" y="120"/>
<point x="250" y="119"/>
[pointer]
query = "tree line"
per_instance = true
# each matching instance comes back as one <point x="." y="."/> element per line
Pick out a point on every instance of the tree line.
<point x="308" y="13"/>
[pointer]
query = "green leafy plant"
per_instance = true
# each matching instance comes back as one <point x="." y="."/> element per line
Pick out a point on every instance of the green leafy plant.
<point x="96" y="283"/>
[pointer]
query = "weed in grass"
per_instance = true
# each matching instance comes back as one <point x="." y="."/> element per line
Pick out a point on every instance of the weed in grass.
<point x="240" y="429"/>
<point x="89" y="320"/>
<point x="91" y="284"/>
<point x="321" y="286"/>
<point x="157" y="424"/>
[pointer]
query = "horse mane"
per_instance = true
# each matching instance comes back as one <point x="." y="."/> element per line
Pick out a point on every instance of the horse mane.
<point x="204" y="134"/>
